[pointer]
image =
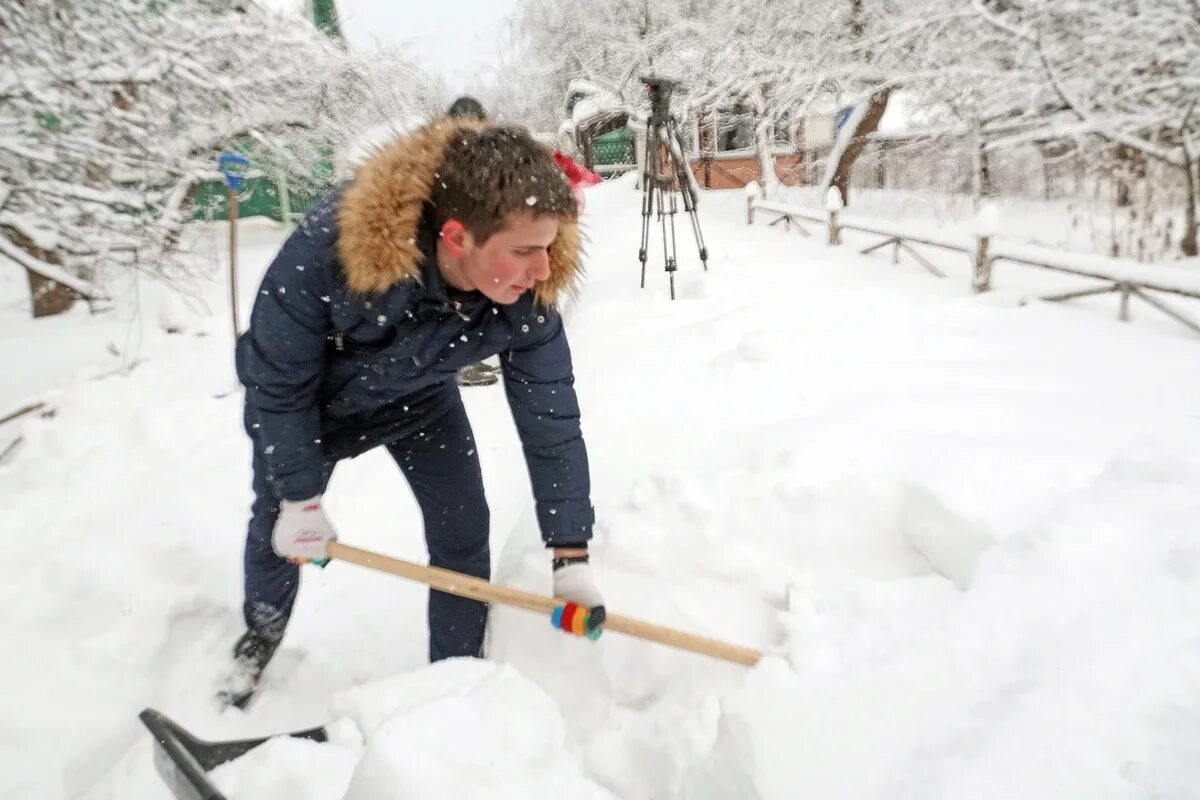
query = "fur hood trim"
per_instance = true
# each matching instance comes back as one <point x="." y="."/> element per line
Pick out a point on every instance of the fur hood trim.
<point x="380" y="213"/>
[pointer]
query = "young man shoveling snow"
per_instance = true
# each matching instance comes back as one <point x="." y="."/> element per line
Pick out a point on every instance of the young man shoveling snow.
<point x="451" y="245"/>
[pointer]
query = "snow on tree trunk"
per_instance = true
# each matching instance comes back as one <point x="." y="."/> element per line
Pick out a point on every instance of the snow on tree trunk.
<point x="852" y="140"/>
<point x="764" y="149"/>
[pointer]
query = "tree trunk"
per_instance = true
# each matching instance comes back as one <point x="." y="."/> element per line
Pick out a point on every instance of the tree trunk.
<point x="47" y="297"/>
<point x="766" y="158"/>
<point x="981" y="183"/>
<point x="987" y="187"/>
<point x="1131" y="166"/>
<point x="877" y="105"/>
<point x="1191" y="225"/>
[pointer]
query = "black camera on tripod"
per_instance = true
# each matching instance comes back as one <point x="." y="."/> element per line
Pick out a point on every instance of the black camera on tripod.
<point x="665" y="175"/>
<point x="660" y="90"/>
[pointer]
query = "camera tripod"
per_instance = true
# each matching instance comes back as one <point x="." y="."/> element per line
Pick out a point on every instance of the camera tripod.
<point x="665" y="173"/>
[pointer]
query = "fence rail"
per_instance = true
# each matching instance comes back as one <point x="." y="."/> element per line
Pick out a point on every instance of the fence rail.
<point x="1129" y="279"/>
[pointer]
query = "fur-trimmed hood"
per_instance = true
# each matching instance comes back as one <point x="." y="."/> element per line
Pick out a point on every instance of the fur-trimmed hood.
<point x="381" y="210"/>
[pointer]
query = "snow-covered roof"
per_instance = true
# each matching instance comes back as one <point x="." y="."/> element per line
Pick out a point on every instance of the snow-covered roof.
<point x="597" y="102"/>
<point x="293" y="7"/>
<point x="602" y="95"/>
<point x="584" y="110"/>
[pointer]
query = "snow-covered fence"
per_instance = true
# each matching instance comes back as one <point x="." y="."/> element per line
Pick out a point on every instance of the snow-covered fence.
<point x="1128" y="278"/>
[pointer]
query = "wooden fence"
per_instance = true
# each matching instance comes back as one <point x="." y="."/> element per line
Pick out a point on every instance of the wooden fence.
<point x="1129" y="279"/>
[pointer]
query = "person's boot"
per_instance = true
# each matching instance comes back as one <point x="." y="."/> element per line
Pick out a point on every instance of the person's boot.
<point x="251" y="655"/>
<point x="477" y="375"/>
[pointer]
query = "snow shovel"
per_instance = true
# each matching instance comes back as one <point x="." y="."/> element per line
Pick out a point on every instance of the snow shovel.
<point x="476" y="589"/>
<point x="183" y="761"/>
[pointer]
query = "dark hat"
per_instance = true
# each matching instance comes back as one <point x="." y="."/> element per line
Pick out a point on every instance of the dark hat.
<point x="466" y="106"/>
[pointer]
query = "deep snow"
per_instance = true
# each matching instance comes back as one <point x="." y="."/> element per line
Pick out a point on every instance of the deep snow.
<point x="963" y="531"/>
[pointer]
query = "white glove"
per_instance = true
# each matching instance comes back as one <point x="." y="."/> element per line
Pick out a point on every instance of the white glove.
<point x="574" y="584"/>
<point x="302" y="531"/>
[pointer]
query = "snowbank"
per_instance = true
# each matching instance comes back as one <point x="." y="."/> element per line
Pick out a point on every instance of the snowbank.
<point x="459" y="729"/>
<point x="963" y="532"/>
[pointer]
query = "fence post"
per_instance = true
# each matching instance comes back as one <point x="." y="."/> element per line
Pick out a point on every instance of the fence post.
<point x="981" y="281"/>
<point x="987" y="226"/>
<point x="833" y="204"/>
<point x="753" y="192"/>
<point x="1125" y="292"/>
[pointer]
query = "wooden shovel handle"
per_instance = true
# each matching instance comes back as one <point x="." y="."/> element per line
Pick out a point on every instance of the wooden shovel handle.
<point x="475" y="589"/>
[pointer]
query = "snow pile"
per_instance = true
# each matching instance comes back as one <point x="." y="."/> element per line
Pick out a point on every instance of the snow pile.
<point x="287" y="769"/>
<point x="459" y="729"/>
<point x="469" y="729"/>
<point x="1068" y="669"/>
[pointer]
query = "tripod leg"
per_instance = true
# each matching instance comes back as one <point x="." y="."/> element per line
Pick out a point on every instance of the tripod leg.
<point x="665" y="218"/>
<point x="647" y="206"/>
<point x="691" y="209"/>
<point x="673" y="263"/>
<point x="647" y="211"/>
<point x="688" y="192"/>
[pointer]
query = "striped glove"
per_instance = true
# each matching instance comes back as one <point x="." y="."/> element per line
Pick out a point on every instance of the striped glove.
<point x="583" y="614"/>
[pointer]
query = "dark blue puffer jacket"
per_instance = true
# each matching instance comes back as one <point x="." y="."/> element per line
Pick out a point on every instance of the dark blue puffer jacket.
<point x="354" y="335"/>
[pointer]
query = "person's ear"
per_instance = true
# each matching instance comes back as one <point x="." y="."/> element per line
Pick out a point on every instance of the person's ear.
<point x="456" y="237"/>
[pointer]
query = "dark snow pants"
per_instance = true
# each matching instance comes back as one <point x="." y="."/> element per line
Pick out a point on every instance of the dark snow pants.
<point x="441" y="464"/>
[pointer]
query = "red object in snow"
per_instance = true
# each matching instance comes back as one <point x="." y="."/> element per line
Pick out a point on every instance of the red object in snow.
<point x="578" y="176"/>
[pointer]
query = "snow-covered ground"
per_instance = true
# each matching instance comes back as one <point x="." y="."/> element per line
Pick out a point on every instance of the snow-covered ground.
<point x="963" y="532"/>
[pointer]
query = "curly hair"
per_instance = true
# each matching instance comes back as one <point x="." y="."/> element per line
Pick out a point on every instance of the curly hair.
<point x="492" y="174"/>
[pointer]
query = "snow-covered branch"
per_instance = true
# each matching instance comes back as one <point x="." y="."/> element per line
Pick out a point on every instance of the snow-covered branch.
<point x="110" y="112"/>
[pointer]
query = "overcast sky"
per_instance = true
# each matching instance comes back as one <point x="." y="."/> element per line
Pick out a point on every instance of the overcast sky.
<point x="455" y="38"/>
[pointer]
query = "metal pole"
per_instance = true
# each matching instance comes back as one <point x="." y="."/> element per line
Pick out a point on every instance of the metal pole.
<point x="233" y="300"/>
<point x="285" y="199"/>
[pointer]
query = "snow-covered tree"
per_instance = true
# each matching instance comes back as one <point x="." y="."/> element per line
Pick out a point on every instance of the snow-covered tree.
<point x="784" y="60"/>
<point x="776" y="59"/>
<point x="111" y="112"/>
<point x="607" y="44"/>
<point x="1122" y="72"/>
